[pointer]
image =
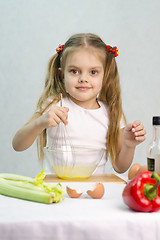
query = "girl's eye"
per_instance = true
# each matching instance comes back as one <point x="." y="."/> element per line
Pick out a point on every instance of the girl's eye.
<point x="94" y="72"/>
<point x="74" y="71"/>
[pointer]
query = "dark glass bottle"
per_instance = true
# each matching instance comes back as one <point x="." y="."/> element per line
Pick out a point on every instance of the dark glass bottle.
<point x="153" y="150"/>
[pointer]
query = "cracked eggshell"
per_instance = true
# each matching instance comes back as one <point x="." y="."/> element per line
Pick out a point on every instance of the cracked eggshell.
<point x="96" y="191"/>
<point x="73" y="192"/>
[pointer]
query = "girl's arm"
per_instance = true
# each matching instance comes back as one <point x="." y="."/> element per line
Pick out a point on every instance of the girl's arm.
<point x="26" y="135"/>
<point x="129" y="138"/>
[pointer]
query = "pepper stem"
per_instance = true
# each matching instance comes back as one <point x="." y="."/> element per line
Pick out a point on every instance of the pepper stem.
<point x="150" y="190"/>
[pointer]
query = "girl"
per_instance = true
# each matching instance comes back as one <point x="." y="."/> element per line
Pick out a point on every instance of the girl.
<point x="84" y="71"/>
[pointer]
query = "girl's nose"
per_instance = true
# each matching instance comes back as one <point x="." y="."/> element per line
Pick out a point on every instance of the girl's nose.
<point x="82" y="78"/>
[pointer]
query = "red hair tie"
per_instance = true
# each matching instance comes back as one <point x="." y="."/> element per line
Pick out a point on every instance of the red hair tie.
<point x="59" y="49"/>
<point x="114" y="50"/>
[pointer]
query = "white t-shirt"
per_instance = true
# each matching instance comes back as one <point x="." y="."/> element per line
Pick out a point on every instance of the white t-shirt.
<point x="85" y="127"/>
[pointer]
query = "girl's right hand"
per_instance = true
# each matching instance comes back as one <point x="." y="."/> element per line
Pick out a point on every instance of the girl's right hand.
<point x="54" y="116"/>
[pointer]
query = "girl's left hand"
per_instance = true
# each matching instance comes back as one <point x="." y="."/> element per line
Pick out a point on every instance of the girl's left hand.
<point x="134" y="134"/>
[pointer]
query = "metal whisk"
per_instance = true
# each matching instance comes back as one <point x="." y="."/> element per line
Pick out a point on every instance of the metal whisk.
<point x="62" y="146"/>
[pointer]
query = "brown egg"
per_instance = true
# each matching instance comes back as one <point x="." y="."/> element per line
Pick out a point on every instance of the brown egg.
<point x="142" y="169"/>
<point x="73" y="192"/>
<point x="96" y="190"/>
<point x="133" y="170"/>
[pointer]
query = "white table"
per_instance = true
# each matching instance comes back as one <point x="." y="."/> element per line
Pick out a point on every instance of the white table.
<point x="77" y="219"/>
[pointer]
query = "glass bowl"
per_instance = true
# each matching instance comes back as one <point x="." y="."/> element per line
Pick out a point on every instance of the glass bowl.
<point x="76" y="162"/>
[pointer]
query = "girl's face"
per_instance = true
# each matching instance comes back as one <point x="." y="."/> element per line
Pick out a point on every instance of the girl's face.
<point x="83" y="76"/>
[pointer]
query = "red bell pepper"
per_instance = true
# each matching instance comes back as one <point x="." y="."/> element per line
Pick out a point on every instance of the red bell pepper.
<point x="142" y="193"/>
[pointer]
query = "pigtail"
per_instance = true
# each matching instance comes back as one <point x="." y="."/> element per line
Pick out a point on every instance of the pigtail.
<point x="53" y="84"/>
<point x="111" y="94"/>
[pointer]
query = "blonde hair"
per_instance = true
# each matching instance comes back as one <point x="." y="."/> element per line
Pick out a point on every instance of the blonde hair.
<point x="110" y="92"/>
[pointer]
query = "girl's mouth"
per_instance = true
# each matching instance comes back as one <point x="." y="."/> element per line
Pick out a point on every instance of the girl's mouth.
<point x="83" y="88"/>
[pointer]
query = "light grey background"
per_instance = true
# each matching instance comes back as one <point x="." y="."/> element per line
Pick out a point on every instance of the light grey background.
<point x="30" y="30"/>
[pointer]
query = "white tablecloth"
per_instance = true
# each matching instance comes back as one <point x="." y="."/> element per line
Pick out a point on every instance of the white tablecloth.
<point x="78" y="219"/>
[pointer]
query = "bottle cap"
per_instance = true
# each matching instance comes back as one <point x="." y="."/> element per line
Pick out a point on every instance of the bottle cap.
<point x="156" y="120"/>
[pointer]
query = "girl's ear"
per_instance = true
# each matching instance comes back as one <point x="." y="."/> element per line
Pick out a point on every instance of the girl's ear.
<point x="60" y="73"/>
